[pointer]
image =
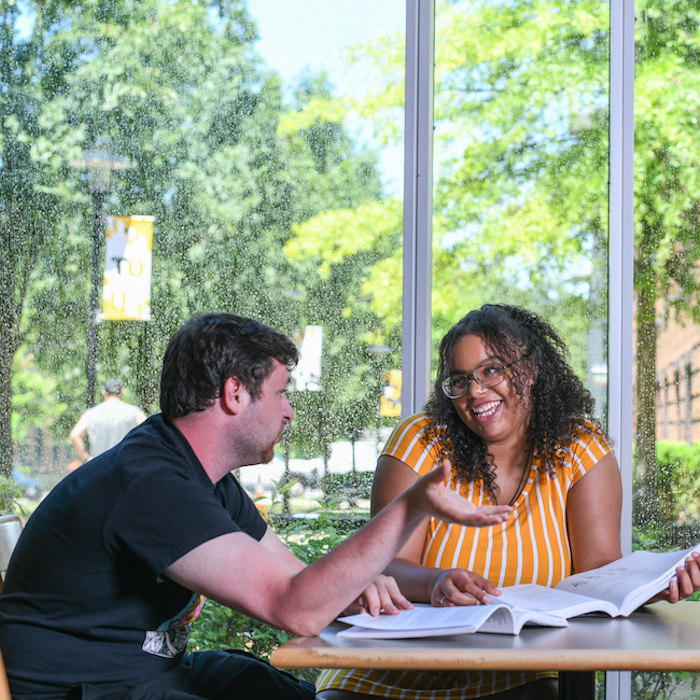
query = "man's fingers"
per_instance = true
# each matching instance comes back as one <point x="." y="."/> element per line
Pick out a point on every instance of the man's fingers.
<point x="452" y="507"/>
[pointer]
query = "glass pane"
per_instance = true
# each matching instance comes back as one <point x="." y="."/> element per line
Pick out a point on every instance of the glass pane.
<point x="243" y="133"/>
<point x="521" y="203"/>
<point x="667" y="247"/>
<point x="521" y="168"/>
<point x="332" y="60"/>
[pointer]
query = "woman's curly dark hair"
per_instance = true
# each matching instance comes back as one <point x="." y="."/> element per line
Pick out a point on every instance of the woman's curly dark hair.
<point x="558" y="398"/>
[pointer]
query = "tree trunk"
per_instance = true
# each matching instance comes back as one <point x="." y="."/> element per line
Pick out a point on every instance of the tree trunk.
<point x="646" y="481"/>
<point x="9" y="342"/>
<point x="147" y="377"/>
<point x="7" y="352"/>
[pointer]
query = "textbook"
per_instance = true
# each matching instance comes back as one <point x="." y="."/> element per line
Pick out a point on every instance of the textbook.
<point x="427" y="621"/>
<point x="616" y="589"/>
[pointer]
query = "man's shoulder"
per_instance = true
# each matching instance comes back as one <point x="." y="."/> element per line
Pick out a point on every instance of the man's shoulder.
<point x="157" y="445"/>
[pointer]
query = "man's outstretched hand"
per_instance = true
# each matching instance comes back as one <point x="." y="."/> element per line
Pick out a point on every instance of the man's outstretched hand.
<point x="449" y="506"/>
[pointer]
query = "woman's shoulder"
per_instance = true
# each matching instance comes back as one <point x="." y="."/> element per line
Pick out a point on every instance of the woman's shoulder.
<point x="411" y="440"/>
<point x="417" y="421"/>
<point x="409" y="428"/>
<point x="588" y="436"/>
<point x="585" y="426"/>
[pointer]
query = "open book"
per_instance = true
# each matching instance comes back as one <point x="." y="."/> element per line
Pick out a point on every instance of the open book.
<point x="616" y="589"/>
<point x="426" y="621"/>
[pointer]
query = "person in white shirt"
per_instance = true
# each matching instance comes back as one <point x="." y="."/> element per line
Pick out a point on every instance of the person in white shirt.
<point x="106" y="424"/>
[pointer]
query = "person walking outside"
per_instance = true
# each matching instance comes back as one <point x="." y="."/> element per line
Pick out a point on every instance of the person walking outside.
<point x="106" y="424"/>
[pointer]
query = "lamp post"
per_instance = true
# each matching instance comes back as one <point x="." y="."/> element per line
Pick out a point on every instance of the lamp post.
<point x="100" y="163"/>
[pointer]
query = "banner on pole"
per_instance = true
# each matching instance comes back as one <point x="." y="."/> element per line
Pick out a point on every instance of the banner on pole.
<point x="390" y="400"/>
<point x="307" y="374"/>
<point x="127" y="278"/>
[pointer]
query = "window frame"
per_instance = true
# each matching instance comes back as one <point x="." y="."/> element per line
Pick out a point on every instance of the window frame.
<point x="417" y="240"/>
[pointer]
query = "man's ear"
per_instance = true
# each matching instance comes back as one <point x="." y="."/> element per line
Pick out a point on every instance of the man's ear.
<point x="234" y="395"/>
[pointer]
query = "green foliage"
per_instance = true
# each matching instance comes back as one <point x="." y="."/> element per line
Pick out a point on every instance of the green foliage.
<point x="520" y="166"/>
<point x="219" y="627"/>
<point x="650" y="685"/>
<point x="678" y="521"/>
<point x="9" y="493"/>
<point x="351" y="487"/>
<point x="228" y="171"/>
<point x="35" y="401"/>
<point x="678" y="481"/>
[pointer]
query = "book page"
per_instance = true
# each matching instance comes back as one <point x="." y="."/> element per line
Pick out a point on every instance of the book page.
<point x="423" y="620"/>
<point x="628" y="582"/>
<point x="542" y="599"/>
<point x="427" y="621"/>
<point x="502" y="623"/>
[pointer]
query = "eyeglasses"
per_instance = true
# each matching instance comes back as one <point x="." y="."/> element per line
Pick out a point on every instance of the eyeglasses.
<point x="487" y="376"/>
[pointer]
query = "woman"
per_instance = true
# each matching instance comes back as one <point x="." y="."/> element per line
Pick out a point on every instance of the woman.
<point x="518" y="426"/>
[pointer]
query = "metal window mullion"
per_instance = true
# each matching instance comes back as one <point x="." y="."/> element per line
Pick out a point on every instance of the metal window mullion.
<point x="418" y="205"/>
<point x="621" y="274"/>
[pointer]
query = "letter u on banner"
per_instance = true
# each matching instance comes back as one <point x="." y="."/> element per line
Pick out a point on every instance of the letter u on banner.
<point x="127" y="278"/>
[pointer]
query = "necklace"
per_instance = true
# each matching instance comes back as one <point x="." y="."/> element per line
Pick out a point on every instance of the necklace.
<point x="523" y="478"/>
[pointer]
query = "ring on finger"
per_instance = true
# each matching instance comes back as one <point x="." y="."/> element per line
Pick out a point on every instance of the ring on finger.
<point x="443" y="599"/>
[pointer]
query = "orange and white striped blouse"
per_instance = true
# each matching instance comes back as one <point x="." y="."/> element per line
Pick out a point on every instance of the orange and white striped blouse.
<point x="532" y="546"/>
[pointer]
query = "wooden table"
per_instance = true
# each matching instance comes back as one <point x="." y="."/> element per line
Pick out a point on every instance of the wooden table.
<point x="660" y="637"/>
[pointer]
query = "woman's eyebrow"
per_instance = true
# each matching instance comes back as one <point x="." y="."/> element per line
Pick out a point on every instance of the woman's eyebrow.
<point x="488" y="360"/>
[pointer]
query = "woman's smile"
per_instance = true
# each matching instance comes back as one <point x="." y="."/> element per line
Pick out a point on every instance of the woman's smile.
<point x="486" y="410"/>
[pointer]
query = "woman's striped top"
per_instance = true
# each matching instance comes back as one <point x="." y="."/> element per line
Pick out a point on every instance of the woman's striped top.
<point x="532" y="546"/>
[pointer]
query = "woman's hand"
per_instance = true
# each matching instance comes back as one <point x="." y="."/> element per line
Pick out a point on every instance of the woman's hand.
<point x="460" y="587"/>
<point x="382" y="594"/>
<point x="686" y="582"/>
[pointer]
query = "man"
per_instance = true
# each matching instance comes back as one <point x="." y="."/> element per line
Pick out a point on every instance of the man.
<point x="112" y="567"/>
<point x="106" y="424"/>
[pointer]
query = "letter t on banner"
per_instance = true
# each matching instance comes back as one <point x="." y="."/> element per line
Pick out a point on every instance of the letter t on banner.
<point x="127" y="279"/>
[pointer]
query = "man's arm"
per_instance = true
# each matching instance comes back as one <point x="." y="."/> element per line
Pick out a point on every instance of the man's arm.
<point x="274" y="544"/>
<point x="382" y="593"/>
<point x="76" y="437"/>
<point x="256" y="578"/>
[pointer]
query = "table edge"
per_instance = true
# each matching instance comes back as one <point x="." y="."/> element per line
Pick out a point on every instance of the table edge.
<point x="495" y="660"/>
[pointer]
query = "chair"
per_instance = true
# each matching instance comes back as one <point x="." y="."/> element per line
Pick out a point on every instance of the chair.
<point x="4" y="685"/>
<point x="573" y="685"/>
<point x="10" y="530"/>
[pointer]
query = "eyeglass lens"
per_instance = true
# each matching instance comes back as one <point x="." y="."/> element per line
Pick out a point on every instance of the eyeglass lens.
<point x="487" y="376"/>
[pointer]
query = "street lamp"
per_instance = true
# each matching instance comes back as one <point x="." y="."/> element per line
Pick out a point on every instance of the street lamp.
<point x="100" y="162"/>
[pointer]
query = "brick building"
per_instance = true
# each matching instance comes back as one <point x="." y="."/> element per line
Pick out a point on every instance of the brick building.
<point x="678" y="382"/>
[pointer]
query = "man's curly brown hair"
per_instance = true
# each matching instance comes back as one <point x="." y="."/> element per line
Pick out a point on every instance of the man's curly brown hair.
<point x="557" y="399"/>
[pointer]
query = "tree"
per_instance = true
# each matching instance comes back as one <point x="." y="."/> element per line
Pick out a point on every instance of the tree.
<point x="224" y="166"/>
<point x="339" y="249"/>
<point x="667" y="204"/>
<point x="520" y="201"/>
<point x="521" y="164"/>
<point x="32" y="195"/>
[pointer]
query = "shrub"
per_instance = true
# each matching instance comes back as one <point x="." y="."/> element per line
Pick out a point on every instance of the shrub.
<point x="9" y="493"/>
<point x="678" y="481"/>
